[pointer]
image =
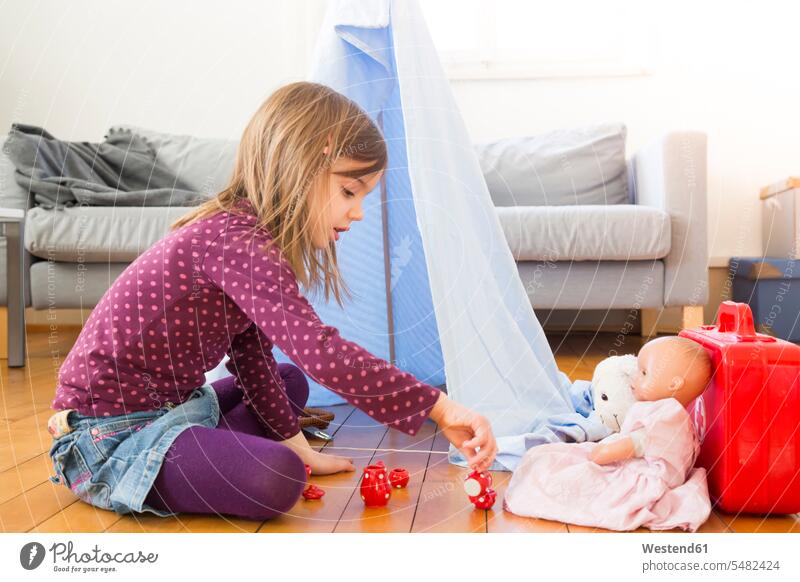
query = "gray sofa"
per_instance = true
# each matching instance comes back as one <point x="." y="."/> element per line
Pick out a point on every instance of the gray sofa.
<point x="646" y="251"/>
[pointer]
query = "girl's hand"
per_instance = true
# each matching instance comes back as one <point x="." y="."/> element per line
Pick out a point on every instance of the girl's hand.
<point x="469" y="432"/>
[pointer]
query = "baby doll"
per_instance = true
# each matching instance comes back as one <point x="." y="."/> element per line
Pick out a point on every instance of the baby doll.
<point x="642" y="476"/>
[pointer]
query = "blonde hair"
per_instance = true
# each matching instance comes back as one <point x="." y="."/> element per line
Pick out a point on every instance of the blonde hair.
<point x="279" y="159"/>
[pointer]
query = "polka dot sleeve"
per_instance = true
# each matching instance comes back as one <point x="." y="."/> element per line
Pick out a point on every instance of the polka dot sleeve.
<point x="256" y="373"/>
<point x="263" y="285"/>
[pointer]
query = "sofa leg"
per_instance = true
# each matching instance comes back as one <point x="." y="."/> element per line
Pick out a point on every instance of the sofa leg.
<point x="12" y="346"/>
<point x="691" y="316"/>
<point x="649" y="320"/>
<point x="3" y="333"/>
<point x="13" y="317"/>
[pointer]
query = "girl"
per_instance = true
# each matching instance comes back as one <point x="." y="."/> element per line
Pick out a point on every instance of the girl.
<point x="135" y="433"/>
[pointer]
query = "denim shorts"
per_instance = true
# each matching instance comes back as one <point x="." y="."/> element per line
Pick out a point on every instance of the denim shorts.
<point x="112" y="462"/>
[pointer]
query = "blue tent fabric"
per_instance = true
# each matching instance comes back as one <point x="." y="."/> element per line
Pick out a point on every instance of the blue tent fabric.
<point x="366" y="39"/>
<point x="459" y="310"/>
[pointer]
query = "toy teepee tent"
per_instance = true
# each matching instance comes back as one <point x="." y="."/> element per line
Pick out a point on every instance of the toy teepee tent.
<point x="436" y="288"/>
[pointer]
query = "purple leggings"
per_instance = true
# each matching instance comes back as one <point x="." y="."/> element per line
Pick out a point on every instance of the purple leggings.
<point x="236" y="468"/>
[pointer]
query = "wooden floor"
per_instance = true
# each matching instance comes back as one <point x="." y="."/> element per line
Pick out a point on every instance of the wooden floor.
<point x="433" y="502"/>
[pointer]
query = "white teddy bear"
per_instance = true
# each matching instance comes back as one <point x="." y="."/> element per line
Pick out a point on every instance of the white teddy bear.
<point x="611" y="387"/>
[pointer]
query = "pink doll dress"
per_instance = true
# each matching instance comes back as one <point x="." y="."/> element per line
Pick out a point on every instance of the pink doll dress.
<point x="659" y="490"/>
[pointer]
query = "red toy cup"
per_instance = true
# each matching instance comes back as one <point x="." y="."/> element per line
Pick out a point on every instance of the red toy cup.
<point x="375" y="486"/>
<point x="486" y="501"/>
<point x="399" y="478"/>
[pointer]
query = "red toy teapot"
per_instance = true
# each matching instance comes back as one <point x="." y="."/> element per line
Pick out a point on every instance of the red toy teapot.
<point x="375" y="486"/>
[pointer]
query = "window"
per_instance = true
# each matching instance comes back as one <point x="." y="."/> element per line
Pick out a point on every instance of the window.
<point x="502" y="39"/>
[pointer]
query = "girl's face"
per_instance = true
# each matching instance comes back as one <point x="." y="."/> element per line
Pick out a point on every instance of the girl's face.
<point x="340" y="200"/>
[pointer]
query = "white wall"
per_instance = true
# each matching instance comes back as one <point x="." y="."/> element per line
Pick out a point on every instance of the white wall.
<point x="203" y="67"/>
<point x="180" y="66"/>
<point x="728" y="71"/>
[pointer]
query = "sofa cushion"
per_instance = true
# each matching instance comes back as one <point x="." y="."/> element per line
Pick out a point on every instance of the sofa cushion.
<point x="622" y="232"/>
<point x="12" y="195"/>
<point x="593" y="284"/>
<point x="565" y="167"/>
<point x="70" y="285"/>
<point x="97" y="234"/>
<point x="205" y="164"/>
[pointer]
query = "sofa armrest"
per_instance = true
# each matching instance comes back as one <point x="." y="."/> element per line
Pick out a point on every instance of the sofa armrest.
<point x="12" y="195"/>
<point x="670" y="173"/>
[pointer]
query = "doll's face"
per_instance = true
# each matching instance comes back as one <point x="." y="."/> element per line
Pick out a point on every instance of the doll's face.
<point x="657" y="375"/>
<point x="667" y="369"/>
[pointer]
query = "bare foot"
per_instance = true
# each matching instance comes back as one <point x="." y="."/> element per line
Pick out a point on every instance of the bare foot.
<point x="322" y="464"/>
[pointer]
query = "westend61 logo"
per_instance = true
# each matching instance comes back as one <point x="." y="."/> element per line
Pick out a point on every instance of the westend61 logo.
<point x="65" y="559"/>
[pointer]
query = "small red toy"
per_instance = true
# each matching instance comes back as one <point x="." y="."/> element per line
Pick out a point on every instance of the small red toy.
<point x="476" y="484"/>
<point x="478" y="487"/>
<point x="375" y="486"/>
<point x="486" y="501"/>
<point x="399" y="478"/>
<point x="312" y="491"/>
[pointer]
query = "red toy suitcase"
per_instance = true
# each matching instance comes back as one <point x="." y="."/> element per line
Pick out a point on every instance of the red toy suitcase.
<point x="751" y="415"/>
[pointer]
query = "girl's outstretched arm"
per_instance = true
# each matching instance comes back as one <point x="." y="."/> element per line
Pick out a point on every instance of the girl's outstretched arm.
<point x="264" y="287"/>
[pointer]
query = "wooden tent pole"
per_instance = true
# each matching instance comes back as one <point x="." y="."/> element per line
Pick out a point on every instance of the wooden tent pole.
<point x="387" y="259"/>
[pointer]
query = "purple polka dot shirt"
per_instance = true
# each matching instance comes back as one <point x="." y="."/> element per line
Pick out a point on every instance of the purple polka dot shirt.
<point x="208" y="289"/>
